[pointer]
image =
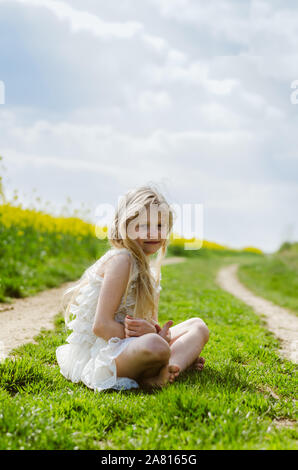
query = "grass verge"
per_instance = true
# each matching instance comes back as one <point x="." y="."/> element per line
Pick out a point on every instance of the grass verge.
<point x="274" y="277"/>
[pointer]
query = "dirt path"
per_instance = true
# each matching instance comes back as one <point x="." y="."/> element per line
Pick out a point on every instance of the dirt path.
<point x="24" y="318"/>
<point x="280" y="321"/>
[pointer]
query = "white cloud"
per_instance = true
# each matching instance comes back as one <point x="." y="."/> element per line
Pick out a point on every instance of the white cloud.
<point x="80" y="20"/>
<point x="35" y="160"/>
<point x="151" y="101"/>
<point x="216" y="115"/>
<point x="158" y="43"/>
<point x="257" y="25"/>
<point x="232" y="153"/>
<point x="176" y="57"/>
<point x="193" y="73"/>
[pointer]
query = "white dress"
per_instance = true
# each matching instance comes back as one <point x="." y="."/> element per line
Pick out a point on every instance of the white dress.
<point x="86" y="357"/>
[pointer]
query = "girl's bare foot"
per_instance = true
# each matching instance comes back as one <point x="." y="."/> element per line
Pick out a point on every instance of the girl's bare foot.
<point x="198" y="364"/>
<point x="174" y="372"/>
<point x="167" y="373"/>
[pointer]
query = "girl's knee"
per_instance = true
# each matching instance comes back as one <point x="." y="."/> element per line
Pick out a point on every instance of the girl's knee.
<point x="201" y="327"/>
<point x="155" y="347"/>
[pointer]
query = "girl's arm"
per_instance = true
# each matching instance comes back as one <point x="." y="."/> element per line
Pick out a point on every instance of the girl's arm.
<point x="113" y="287"/>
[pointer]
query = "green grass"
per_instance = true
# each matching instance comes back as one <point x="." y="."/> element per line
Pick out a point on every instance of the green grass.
<point x="234" y="403"/>
<point x="274" y="277"/>
<point x="39" y="260"/>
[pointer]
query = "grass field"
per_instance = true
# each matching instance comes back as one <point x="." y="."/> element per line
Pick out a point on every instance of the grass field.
<point x="274" y="276"/>
<point x="243" y="399"/>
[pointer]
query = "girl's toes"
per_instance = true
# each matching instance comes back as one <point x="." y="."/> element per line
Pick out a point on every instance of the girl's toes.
<point x="174" y="371"/>
<point x="200" y="363"/>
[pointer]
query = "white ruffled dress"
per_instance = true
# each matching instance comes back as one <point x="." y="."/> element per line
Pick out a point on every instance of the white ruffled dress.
<point x="86" y="357"/>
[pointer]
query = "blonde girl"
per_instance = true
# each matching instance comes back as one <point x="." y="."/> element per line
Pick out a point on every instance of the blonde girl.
<point x="116" y="340"/>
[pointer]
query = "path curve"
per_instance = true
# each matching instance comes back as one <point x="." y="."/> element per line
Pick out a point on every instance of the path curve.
<point x="280" y="321"/>
<point x="23" y="319"/>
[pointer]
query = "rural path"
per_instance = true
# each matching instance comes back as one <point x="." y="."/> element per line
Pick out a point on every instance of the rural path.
<point x="23" y="319"/>
<point x="280" y="321"/>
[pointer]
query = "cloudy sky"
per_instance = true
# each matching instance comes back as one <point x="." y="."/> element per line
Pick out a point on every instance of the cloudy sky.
<point x="194" y="96"/>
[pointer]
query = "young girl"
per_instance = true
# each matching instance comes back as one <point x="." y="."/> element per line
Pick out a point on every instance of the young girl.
<point x="116" y="341"/>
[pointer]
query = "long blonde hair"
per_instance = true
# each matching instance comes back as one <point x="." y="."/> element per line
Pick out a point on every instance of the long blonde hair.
<point x="130" y="206"/>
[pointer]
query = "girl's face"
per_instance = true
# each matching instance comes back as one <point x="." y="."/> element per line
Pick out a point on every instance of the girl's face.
<point x="150" y="243"/>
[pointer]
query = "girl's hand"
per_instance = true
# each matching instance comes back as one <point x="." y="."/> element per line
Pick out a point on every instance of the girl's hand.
<point x="165" y="332"/>
<point x="137" y="327"/>
<point x="155" y="323"/>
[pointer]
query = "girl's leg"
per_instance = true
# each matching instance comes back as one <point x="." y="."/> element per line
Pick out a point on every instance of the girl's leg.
<point x="188" y="340"/>
<point x="143" y="357"/>
<point x="154" y="362"/>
